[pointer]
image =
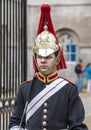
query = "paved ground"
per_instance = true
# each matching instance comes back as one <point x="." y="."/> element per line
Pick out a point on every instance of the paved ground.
<point x="86" y="98"/>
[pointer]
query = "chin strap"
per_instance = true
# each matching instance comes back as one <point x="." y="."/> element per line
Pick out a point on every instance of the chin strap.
<point x="50" y="70"/>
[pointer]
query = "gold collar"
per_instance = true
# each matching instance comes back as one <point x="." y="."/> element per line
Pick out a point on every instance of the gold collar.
<point x="49" y="78"/>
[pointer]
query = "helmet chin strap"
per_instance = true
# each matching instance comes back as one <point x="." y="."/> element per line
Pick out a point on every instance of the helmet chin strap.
<point x="50" y="69"/>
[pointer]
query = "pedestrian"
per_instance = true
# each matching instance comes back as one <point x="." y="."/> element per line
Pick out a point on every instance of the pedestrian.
<point x="47" y="102"/>
<point x="79" y="73"/>
<point x="87" y="69"/>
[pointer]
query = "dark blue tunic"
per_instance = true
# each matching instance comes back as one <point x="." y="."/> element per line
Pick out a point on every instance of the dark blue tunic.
<point x="62" y="110"/>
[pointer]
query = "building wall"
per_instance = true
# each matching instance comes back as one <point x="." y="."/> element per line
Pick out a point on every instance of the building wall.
<point x="72" y="15"/>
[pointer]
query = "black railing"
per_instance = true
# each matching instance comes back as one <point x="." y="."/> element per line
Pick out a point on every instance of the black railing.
<point x="13" y="54"/>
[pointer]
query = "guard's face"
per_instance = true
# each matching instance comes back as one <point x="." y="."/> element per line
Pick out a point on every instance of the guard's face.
<point x="44" y="63"/>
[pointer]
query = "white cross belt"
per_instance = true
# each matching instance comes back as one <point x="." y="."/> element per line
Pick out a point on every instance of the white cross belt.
<point x="46" y="93"/>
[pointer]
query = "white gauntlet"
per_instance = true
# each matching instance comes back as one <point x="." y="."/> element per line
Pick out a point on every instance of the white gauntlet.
<point x="16" y="128"/>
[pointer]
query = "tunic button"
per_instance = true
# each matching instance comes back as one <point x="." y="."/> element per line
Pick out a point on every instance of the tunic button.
<point x="45" y="104"/>
<point x="44" y="116"/>
<point x="44" y="123"/>
<point x="44" y="129"/>
<point x="45" y="110"/>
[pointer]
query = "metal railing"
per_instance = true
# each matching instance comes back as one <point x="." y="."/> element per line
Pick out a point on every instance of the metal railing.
<point x="13" y="54"/>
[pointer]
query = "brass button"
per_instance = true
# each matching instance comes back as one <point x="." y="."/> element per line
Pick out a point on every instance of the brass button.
<point x="44" y="123"/>
<point x="44" y="116"/>
<point x="45" y="104"/>
<point x="45" y="110"/>
<point x="44" y="129"/>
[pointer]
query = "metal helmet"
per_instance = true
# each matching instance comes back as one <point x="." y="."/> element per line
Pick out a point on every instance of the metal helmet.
<point x="46" y="41"/>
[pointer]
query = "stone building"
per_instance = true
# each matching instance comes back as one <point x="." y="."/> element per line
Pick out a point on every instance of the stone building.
<point x="72" y="23"/>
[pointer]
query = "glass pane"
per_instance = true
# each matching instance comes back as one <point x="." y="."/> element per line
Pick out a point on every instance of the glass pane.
<point x="73" y="48"/>
<point x="68" y="48"/>
<point x="73" y="57"/>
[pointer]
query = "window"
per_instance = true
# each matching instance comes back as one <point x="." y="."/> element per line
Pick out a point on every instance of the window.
<point x="69" y="47"/>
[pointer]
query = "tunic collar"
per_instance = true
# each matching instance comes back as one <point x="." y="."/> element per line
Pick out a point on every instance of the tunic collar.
<point x="49" y="78"/>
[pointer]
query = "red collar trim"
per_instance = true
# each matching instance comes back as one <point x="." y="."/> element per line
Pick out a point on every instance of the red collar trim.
<point x="49" y="78"/>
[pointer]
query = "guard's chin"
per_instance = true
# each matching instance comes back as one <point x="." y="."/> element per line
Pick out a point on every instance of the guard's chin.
<point x="46" y="73"/>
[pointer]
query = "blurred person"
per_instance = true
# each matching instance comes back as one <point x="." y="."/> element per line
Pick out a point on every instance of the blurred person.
<point x="79" y="73"/>
<point x="87" y="69"/>
<point x="48" y="101"/>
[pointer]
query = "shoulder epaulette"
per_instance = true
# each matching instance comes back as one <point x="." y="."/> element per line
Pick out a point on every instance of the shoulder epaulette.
<point x="68" y="81"/>
<point x="24" y="82"/>
<point x="28" y="81"/>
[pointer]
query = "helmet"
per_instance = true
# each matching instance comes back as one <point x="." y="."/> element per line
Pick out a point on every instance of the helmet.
<point x="46" y="41"/>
